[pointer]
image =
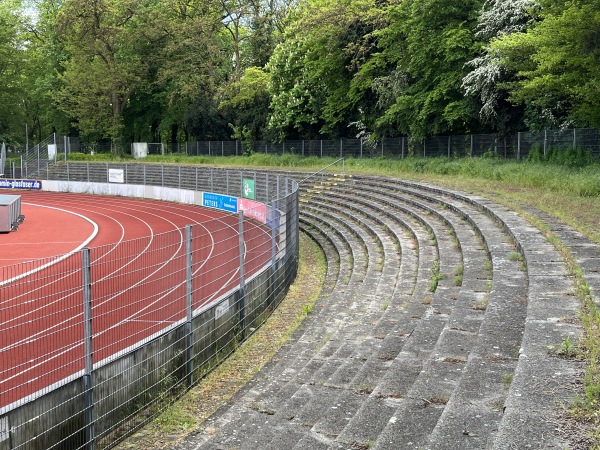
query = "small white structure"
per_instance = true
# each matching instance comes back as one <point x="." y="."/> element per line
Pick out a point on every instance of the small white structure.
<point x="139" y="150"/>
<point x="10" y="213"/>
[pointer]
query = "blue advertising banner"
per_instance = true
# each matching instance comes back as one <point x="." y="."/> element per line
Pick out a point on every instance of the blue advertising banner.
<point x="20" y="184"/>
<point x="218" y="201"/>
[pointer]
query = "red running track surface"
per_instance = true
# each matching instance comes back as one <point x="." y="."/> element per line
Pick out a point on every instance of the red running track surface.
<point x="138" y="278"/>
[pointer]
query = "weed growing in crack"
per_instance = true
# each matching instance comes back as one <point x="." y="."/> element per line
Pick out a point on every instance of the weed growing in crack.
<point x="436" y="276"/>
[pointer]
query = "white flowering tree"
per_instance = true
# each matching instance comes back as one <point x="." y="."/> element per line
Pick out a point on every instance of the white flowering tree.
<point x="486" y="79"/>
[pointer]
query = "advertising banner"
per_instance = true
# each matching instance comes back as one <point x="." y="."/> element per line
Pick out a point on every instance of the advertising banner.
<point x="20" y="184"/>
<point x="218" y="201"/>
<point x="116" y="176"/>
<point x="253" y="210"/>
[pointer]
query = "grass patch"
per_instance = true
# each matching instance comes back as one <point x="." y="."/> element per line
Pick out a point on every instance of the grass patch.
<point x="458" y="274"/>
<point x="436" y="276"/>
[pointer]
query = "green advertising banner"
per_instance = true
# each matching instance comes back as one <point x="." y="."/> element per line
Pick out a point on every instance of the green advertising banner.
<point x="248" y="189"/>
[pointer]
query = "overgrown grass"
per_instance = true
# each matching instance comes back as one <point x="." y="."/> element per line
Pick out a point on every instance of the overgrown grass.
<point x="581" y="181"/>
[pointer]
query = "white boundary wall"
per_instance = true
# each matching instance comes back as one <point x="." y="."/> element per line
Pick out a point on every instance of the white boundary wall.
<point x="125" y="190"/>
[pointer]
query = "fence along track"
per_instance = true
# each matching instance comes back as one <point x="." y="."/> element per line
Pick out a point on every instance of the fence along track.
<point x="466" y="366"/>
<point x="116" y="396"/>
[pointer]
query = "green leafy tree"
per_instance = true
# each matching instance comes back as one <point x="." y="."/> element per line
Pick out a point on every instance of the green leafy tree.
<point x="104" y="68"/>
<point x="46" y="53"/>
<point x="12" y="65"/>
<point x="557" y="62"/>
<point x="429" y="42"/>
<point x="246" y="104"/>
<point x="487" y="80"/>
<point x="312" y="70"/>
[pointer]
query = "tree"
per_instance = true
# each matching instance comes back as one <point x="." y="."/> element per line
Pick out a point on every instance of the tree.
<point x="12" y="64"/>
<point x="190" y="62"/>
<point x="557" y="63"/>
<point x="103" y="39"/>
<point x="487" y="79"/>
<point x="246" y="104"/>
<point x="429" y="42"/>
<point x="312" y="70"/>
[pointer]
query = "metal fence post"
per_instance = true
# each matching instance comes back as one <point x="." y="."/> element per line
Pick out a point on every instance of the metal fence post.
<point x="574" y="138"/>
<point x="341" y="148"/>
<point x="449" y="140"/>
<point x="188" y="306"/>
<point x="361" y="147"/>
<point x="241" y="305"/>
<point x="518" y="146"/>
<point x="88" y="388"/>
<point x="302" y="147"/>
<point x="545" y="142"/>
<point x="402" y="146"/>
<point x="273" y="254"/>
<point x="471" y="146"/>
<point x="321" y="148"/>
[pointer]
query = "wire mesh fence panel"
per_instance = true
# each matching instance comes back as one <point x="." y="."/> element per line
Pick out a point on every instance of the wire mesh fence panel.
<point x="436" y="146"/>
<point x="531" y="143"/>
<point x="41" y="327"/>
<point x="294" y="147"/>
<point x="589" y="139"/>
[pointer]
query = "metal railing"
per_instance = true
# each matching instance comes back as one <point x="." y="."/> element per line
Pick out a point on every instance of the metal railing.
<point x="96" y="342"/>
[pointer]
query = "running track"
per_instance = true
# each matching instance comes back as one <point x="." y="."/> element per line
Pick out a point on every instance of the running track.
<point x="138" y="279"/>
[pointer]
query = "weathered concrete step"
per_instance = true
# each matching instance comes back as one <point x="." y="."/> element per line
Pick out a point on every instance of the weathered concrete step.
<point x="445" y="386"/>
<point x="426" y="432"/>
<point x="530" y="402"/>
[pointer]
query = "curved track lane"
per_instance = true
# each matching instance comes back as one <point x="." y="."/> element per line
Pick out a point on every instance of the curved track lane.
<point x="138" y="280"/>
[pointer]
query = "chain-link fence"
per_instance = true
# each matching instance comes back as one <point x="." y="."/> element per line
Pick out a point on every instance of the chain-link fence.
<point x="96" y="342"/>
<point x="559" y="145"/>
<point x="516" y="146"/>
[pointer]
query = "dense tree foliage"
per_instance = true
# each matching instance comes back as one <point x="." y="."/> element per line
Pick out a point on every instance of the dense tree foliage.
<point x="174" y="70"/>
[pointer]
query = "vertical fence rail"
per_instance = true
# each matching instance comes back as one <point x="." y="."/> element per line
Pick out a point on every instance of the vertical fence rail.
<point x="189" y="351"/>
<point x="88" y="349"/>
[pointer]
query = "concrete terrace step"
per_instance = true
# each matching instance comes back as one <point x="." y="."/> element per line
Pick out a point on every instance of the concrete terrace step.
<point x="385" y="363"/>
